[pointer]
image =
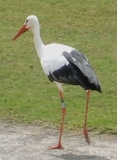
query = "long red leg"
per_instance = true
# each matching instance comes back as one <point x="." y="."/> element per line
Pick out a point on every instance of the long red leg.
<point x="59" y="145"/>
<point x="85" y="125"/>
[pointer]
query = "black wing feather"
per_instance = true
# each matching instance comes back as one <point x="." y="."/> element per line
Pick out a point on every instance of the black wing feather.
<point x="77" y="72"/>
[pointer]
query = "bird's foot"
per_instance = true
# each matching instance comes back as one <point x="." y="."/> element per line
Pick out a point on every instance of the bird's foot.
<point x="59" y="146"/>
<point x="87" y="137"/>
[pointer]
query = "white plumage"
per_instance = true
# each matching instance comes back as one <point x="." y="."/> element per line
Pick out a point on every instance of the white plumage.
<point x="52" y="58"/>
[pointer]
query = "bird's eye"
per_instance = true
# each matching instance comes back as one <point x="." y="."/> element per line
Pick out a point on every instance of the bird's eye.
<point x="27" y="20"/>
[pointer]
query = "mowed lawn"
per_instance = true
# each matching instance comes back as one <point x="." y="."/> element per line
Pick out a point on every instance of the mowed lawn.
<point x="26" y="95"/>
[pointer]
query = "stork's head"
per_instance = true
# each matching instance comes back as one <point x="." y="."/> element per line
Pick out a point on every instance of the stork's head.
<point x="30" y="22"/>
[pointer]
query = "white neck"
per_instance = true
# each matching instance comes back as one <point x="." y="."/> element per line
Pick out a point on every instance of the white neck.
<point x="37" y="41"/>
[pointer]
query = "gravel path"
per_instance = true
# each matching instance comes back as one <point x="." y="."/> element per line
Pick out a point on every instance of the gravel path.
<point x="19" y="142"/>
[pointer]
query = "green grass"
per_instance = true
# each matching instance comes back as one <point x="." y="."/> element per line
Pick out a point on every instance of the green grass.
<point x="26" y="95"/>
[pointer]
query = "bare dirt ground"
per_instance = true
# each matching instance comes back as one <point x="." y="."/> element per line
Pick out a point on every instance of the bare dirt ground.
<point x="24" y="142"/>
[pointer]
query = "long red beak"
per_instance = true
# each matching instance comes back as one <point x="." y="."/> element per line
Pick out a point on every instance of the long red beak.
<point x="22" y="30"/>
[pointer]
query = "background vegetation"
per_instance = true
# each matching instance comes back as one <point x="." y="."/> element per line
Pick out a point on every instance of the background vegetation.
<point x="26" y="95"/>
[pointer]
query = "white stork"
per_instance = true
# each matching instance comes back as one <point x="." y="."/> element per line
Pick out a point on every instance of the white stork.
<point x="62" y="64"/>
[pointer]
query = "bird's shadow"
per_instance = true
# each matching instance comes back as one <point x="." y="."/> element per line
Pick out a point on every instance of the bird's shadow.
<point x="80" y="157"/>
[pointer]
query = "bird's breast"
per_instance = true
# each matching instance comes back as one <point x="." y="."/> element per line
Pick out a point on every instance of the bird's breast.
<point x="51" y="64"/>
